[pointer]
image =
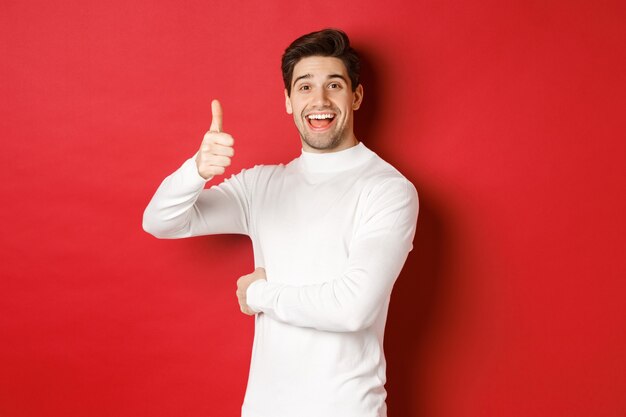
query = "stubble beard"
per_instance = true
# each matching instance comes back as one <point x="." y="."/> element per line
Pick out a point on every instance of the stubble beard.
<point x="324" y="141"/>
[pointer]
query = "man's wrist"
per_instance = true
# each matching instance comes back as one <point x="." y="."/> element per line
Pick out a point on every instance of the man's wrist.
<point x="198" y="176"/>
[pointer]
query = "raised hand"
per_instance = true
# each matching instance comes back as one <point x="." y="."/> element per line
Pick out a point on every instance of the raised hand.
<point x="216" y="148"/>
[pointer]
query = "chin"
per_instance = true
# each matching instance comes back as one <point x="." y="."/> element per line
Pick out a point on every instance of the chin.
<point x="321" y="143"/>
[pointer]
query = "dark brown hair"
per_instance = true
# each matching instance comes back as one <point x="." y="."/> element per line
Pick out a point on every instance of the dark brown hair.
<point x="327" y="42"/>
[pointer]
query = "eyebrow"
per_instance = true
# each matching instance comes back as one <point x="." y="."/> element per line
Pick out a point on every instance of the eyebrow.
<point x="331" y="76"/>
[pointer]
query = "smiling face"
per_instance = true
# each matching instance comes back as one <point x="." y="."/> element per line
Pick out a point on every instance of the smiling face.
<point x="322" y="103"/>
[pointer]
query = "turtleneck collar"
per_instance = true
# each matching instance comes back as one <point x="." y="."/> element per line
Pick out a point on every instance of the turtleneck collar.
<point x="335" y="161"/>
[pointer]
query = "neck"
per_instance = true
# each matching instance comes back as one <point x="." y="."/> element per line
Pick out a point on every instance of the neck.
<point x="334" y="161"/>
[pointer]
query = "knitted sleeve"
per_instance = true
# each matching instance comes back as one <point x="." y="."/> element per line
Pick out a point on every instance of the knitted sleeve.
<point x="181" y="207"/>
<point x="352" y="300"/>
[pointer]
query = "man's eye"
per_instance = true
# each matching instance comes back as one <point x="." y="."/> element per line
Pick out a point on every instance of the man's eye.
<point x="305" y="87"/>
<point x="334" y="85"/>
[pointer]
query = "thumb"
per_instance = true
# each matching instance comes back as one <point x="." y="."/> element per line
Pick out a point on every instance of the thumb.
<point x="216" y="119"/>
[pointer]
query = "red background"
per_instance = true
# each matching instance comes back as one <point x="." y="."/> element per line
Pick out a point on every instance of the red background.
<point x="507" y="116"/>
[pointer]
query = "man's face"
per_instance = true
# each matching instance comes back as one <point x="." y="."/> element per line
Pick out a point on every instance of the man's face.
<point x="322" y="103"/>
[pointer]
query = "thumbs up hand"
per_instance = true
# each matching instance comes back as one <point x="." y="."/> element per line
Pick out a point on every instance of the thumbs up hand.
<point x="216" y="148"/>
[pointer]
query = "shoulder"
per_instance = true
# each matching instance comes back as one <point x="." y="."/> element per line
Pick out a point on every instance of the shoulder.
<point x="257" y="177"/>
<point x="260" y="171"/>
<point x="384" y="180"/>
<point x="389" y="200"/>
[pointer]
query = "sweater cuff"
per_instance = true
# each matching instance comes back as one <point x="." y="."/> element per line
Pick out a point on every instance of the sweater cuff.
<point x="191" y="171"/>
<point x="254" y="295"/>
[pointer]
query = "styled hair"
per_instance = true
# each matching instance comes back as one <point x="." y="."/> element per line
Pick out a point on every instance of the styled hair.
<point x="329" y="43"/>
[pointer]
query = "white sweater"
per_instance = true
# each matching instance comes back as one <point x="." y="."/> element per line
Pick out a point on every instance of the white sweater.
<point x="332" y="232"/>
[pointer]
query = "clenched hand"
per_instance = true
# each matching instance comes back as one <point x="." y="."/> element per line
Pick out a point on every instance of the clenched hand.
<point x="242" y="287"/>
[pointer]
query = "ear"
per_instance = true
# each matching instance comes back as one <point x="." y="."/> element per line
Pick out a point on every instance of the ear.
<point x="288" y="103"/>
<point x="358" y="97"/>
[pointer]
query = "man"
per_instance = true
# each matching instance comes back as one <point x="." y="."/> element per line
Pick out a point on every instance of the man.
<point x="330" y="232"/>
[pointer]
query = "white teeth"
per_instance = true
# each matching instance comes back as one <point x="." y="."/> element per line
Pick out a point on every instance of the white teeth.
<point x="320" y="116"/>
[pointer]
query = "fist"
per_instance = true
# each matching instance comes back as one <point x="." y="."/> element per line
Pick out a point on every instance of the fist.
<point x="242" y="287"/>
<point x="216" y="148"/>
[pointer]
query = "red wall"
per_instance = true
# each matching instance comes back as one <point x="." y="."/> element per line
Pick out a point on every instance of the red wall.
<point x="507" y="116"/>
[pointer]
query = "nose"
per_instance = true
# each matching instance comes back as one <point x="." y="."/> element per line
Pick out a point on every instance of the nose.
<point x="320" y="98"/>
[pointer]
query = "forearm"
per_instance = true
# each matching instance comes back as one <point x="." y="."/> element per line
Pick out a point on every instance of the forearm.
<point x="170" y="211"/>
<point x="347" y="303"/>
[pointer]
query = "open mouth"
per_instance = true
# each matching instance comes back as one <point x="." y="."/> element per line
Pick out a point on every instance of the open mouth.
<point x="320" y="121"/>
